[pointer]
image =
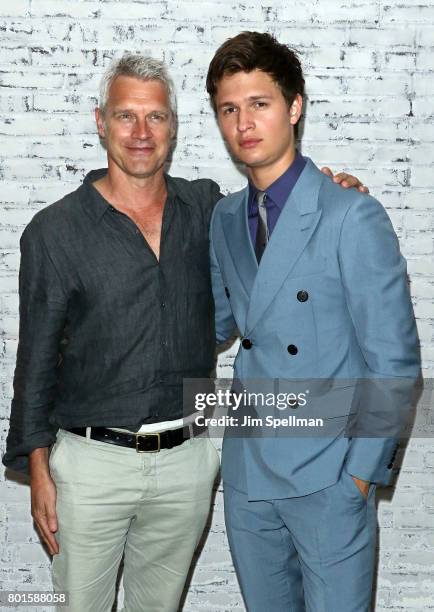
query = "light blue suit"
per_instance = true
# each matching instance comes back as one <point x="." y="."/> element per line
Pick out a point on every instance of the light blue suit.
<point x="355" y="321"/>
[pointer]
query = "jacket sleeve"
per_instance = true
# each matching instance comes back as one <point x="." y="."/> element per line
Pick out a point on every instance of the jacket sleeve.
<point x="224" y="319"/>
<point x="377" y="294"/>
<point x="42" y="318"/>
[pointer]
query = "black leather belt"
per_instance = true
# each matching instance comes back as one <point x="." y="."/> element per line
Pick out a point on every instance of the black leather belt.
<point x="142" y="443"/>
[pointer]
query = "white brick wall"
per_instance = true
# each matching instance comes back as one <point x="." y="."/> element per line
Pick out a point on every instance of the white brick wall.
<point x="370" y="81"/>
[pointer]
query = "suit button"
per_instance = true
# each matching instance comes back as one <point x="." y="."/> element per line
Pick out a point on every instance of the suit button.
<point x="292" y="349"/>
<point x="302" y="296"/>
<point x="246" y="343"/>
<point x="227" y="292"/>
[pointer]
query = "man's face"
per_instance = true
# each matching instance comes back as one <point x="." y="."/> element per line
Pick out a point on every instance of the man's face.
<point x="137" y="126"/>
<point x="255" y="120"/>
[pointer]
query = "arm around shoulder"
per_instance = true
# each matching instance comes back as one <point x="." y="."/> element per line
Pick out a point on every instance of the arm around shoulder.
<point x="224" y="320"/>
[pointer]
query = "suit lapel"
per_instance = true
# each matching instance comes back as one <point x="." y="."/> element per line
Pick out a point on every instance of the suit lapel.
<point x="238" y="242"/>
<point x="296" y="224"/>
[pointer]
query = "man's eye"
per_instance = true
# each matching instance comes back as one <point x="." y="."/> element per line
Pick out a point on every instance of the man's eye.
<point x="158" y="117"/>
<point x="228" y="110"/>
<point x="259" y="104"/>
<point x="125" y="116"/>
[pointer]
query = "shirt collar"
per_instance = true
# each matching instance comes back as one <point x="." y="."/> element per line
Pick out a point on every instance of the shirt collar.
<point x="92" y="201"/>
<point x="279" y="191"/>
<point x="96" y="206"/>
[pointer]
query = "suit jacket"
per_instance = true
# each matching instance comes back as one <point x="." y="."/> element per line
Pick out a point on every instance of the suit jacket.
<point x="329" y="301"/>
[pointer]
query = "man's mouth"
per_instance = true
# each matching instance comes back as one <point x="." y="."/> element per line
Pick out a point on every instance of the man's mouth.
<point x="143" y="150"/>
<point x="249" y="143"/>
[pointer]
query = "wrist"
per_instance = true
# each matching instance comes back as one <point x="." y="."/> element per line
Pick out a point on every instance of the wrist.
<point x="38" y="463"/>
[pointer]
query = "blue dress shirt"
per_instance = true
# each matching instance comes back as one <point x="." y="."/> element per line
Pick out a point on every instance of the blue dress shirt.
<point x="277" y="194"/>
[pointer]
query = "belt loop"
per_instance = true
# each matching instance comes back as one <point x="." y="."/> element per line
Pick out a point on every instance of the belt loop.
<point x="88" y="430"/>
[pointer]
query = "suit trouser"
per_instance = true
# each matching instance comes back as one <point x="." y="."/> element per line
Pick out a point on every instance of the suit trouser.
<point x="151" y="507"/>
<point x="313" y="553"/>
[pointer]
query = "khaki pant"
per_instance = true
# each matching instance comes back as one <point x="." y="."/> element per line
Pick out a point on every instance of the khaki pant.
<point x="111" y="500"/>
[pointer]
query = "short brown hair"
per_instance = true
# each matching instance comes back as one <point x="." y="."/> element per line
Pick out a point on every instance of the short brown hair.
<point x="257" y="51"/>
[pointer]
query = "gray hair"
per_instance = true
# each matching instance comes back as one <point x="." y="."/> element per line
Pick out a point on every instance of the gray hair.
<point x="142" y="67"/>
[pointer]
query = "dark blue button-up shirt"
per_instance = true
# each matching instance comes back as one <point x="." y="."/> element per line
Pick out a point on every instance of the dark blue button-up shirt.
<point x="107" y="332"/>
<point x="277" y="194"/>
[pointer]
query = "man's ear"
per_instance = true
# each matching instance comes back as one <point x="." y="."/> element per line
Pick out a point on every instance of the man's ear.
<point x="296" y="109"/>
<point x="99" y="118"/>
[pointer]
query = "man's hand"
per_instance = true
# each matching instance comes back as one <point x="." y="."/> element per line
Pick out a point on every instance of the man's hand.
<point x="345" y="180"/>
<point x="43" y="496"/>
<point x="362" y="485"/>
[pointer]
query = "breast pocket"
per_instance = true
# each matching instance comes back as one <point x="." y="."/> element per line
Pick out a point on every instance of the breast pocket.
<point x="309" y="267"/>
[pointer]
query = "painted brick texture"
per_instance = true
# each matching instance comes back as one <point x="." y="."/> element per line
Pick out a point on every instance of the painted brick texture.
<point x="370" y="85"/>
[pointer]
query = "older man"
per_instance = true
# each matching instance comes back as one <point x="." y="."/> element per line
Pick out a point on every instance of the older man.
<point x="115" y="310"/>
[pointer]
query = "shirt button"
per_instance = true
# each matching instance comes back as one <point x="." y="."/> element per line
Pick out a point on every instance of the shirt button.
<point x="292" y="349"/>
<point x="137" y="231"/>
<point x="302" y="296"/>
<point x="164" y="343"/>
<point x="163" y="305"/>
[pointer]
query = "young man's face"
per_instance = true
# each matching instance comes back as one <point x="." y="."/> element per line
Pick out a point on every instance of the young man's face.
<point x="256" y="122"/>
<point x="137" y="126"/>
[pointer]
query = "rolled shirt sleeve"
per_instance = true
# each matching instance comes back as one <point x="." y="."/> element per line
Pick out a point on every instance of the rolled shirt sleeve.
<point x="42" y="319"/>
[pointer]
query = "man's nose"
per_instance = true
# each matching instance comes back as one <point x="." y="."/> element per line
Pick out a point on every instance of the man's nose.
<point x="245" y="120"/>
<point x="141" y="128"/>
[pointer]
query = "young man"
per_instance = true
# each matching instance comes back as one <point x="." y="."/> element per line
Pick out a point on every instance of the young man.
<point x="313" y="279"/>
<point x="115" y="310"/>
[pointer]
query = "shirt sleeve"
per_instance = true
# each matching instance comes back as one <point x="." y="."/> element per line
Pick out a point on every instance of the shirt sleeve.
<point x="225" y="324"/>
<point x="213" y="196"/>
<point x="43" y="308"/>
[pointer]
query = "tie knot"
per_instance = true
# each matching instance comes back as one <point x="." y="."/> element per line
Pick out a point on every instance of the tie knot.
<point x="261" y="197"/>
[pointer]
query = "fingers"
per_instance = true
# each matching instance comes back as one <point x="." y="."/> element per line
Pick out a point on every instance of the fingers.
<point x="362" y="189"/>
<point x="326" y="170"/>
<point x="44" y="512"/>
<point x="347" y="181"/>
<point x="46" y="532"/>
<point x="46" y="523"/>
